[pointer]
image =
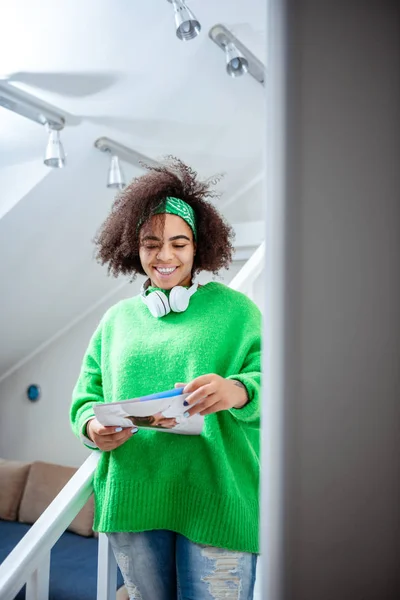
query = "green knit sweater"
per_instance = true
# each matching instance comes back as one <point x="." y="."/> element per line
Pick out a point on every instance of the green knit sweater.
<point x="205" y="487"/>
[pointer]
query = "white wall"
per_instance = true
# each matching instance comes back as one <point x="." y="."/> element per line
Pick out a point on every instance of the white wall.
<point x="17" y="180"/>
<point x="343" y="394"/>
<point x="41" y="430"/>
<point x="247" y="203"/>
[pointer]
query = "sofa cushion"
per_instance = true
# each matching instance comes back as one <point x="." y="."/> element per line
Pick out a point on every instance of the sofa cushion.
<point x="13" y="475"/>
<point x="44" y="482"/>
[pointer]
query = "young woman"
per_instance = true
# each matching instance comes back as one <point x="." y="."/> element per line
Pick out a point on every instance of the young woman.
<point x="181" y="511"/>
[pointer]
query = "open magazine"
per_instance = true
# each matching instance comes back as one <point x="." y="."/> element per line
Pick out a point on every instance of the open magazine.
<point x="163" y="411"/>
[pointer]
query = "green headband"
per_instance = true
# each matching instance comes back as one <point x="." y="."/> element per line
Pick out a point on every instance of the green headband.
<point x="175" y="206"/>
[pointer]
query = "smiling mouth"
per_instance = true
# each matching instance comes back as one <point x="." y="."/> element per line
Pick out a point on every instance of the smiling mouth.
<point x="165" y="271"/>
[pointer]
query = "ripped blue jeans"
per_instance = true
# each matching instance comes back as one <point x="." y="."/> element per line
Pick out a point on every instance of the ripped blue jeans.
<point x="163" y="565"/>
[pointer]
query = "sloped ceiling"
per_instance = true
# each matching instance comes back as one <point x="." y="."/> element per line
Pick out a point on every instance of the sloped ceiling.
<point x="118" y="69"/>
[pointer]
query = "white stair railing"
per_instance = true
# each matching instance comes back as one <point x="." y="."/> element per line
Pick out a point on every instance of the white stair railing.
<point x="245" y="279"/>
<point x="29" y="562"/>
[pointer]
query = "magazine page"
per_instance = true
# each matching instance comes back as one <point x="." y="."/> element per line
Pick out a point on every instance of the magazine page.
<point x="163" y="412"/>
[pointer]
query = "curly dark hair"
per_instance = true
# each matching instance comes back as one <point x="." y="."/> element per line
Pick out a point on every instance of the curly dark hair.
<point x="118" y="241"/>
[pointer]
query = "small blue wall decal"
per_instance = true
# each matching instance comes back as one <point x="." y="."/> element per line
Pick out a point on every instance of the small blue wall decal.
<point x="33" y="392"/>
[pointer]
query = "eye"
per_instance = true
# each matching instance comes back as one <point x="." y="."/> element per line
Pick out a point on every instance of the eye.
<point x="150" y="247"/>
<point x="180" y="246"/>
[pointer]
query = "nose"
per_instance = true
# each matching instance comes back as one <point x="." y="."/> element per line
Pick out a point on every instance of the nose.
<point x="165" y="253"/>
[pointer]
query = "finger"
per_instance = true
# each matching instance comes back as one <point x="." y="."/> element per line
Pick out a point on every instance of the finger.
<point x="100" y="443"/>
<point x="198" y="382"/>
<point x="122" y="436"/>
<point x="199" y="394"/>
<point x="202" y="406"/>
<point x="106" y="430"/>
<point x="179" y="385"/>
<point x="108" y="445"/>
<point x="125" y="434"/>
<point x="117" y="444"/>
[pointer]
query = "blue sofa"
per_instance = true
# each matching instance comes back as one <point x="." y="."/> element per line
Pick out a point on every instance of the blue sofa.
<point x="73" y="566"/>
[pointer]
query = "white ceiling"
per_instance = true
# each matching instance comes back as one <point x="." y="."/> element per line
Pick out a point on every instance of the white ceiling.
<point x="117" y="69"/>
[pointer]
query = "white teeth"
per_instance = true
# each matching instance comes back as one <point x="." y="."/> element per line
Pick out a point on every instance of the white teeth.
<point x="165" y="271"/>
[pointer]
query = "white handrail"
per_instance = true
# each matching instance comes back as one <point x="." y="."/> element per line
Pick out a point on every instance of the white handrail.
<point x="32" y="552"/>
<point x="250" y="271"/>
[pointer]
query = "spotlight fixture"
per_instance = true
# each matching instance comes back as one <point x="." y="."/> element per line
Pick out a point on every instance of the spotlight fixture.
<point x="116" y="177"/>
<point x="187" y="26"/>
<point x="236" y="63"/>
<point x="239" y="59"/>
<point x="36" y="110"/>
<point x="54" y="155"/>
<point x="119" y="152"/>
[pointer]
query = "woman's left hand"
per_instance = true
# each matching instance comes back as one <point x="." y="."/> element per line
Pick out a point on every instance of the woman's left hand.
<point x="212" y="393"/>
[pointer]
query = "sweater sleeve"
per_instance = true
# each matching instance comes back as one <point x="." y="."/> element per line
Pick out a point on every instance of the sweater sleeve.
<point x="88" y="389"/>
<point x="250" y="373"/>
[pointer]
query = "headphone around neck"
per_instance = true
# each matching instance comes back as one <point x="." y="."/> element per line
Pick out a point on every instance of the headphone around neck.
<point x="160" y="305"/>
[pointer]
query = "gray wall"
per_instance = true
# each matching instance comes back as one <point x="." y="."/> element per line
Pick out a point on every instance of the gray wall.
<point x="343" y="292"/>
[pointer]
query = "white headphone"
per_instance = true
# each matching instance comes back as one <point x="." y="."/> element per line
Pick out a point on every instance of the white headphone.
<point x="158" y="303"/>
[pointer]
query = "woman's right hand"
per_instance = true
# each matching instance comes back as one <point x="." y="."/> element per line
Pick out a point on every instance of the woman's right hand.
<point x="108" y="438"/>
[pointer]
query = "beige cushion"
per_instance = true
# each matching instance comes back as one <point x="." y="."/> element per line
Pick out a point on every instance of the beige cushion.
<point x="45" y="481"/>
<point x="13" y="476"/>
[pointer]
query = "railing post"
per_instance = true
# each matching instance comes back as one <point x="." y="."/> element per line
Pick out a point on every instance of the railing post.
<point x="37" y="586"/>
<point x="106" y="570"/>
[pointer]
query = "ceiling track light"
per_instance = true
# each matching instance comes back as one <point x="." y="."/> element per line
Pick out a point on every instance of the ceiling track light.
<point x="32" y="108"/>
<point x="29" y="106"/>
<point x="54" y="155"/>
<point x="117" y="151"/>
<point x="187" y="26"/>
<point x="239" y="59"/>
<point x="116" y="177"/>
<point x="236" y="63"/>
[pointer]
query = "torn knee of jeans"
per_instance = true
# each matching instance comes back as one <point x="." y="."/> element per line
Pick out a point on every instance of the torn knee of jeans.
<point x="224" y="581"/>
<point x="123" y="561"/>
